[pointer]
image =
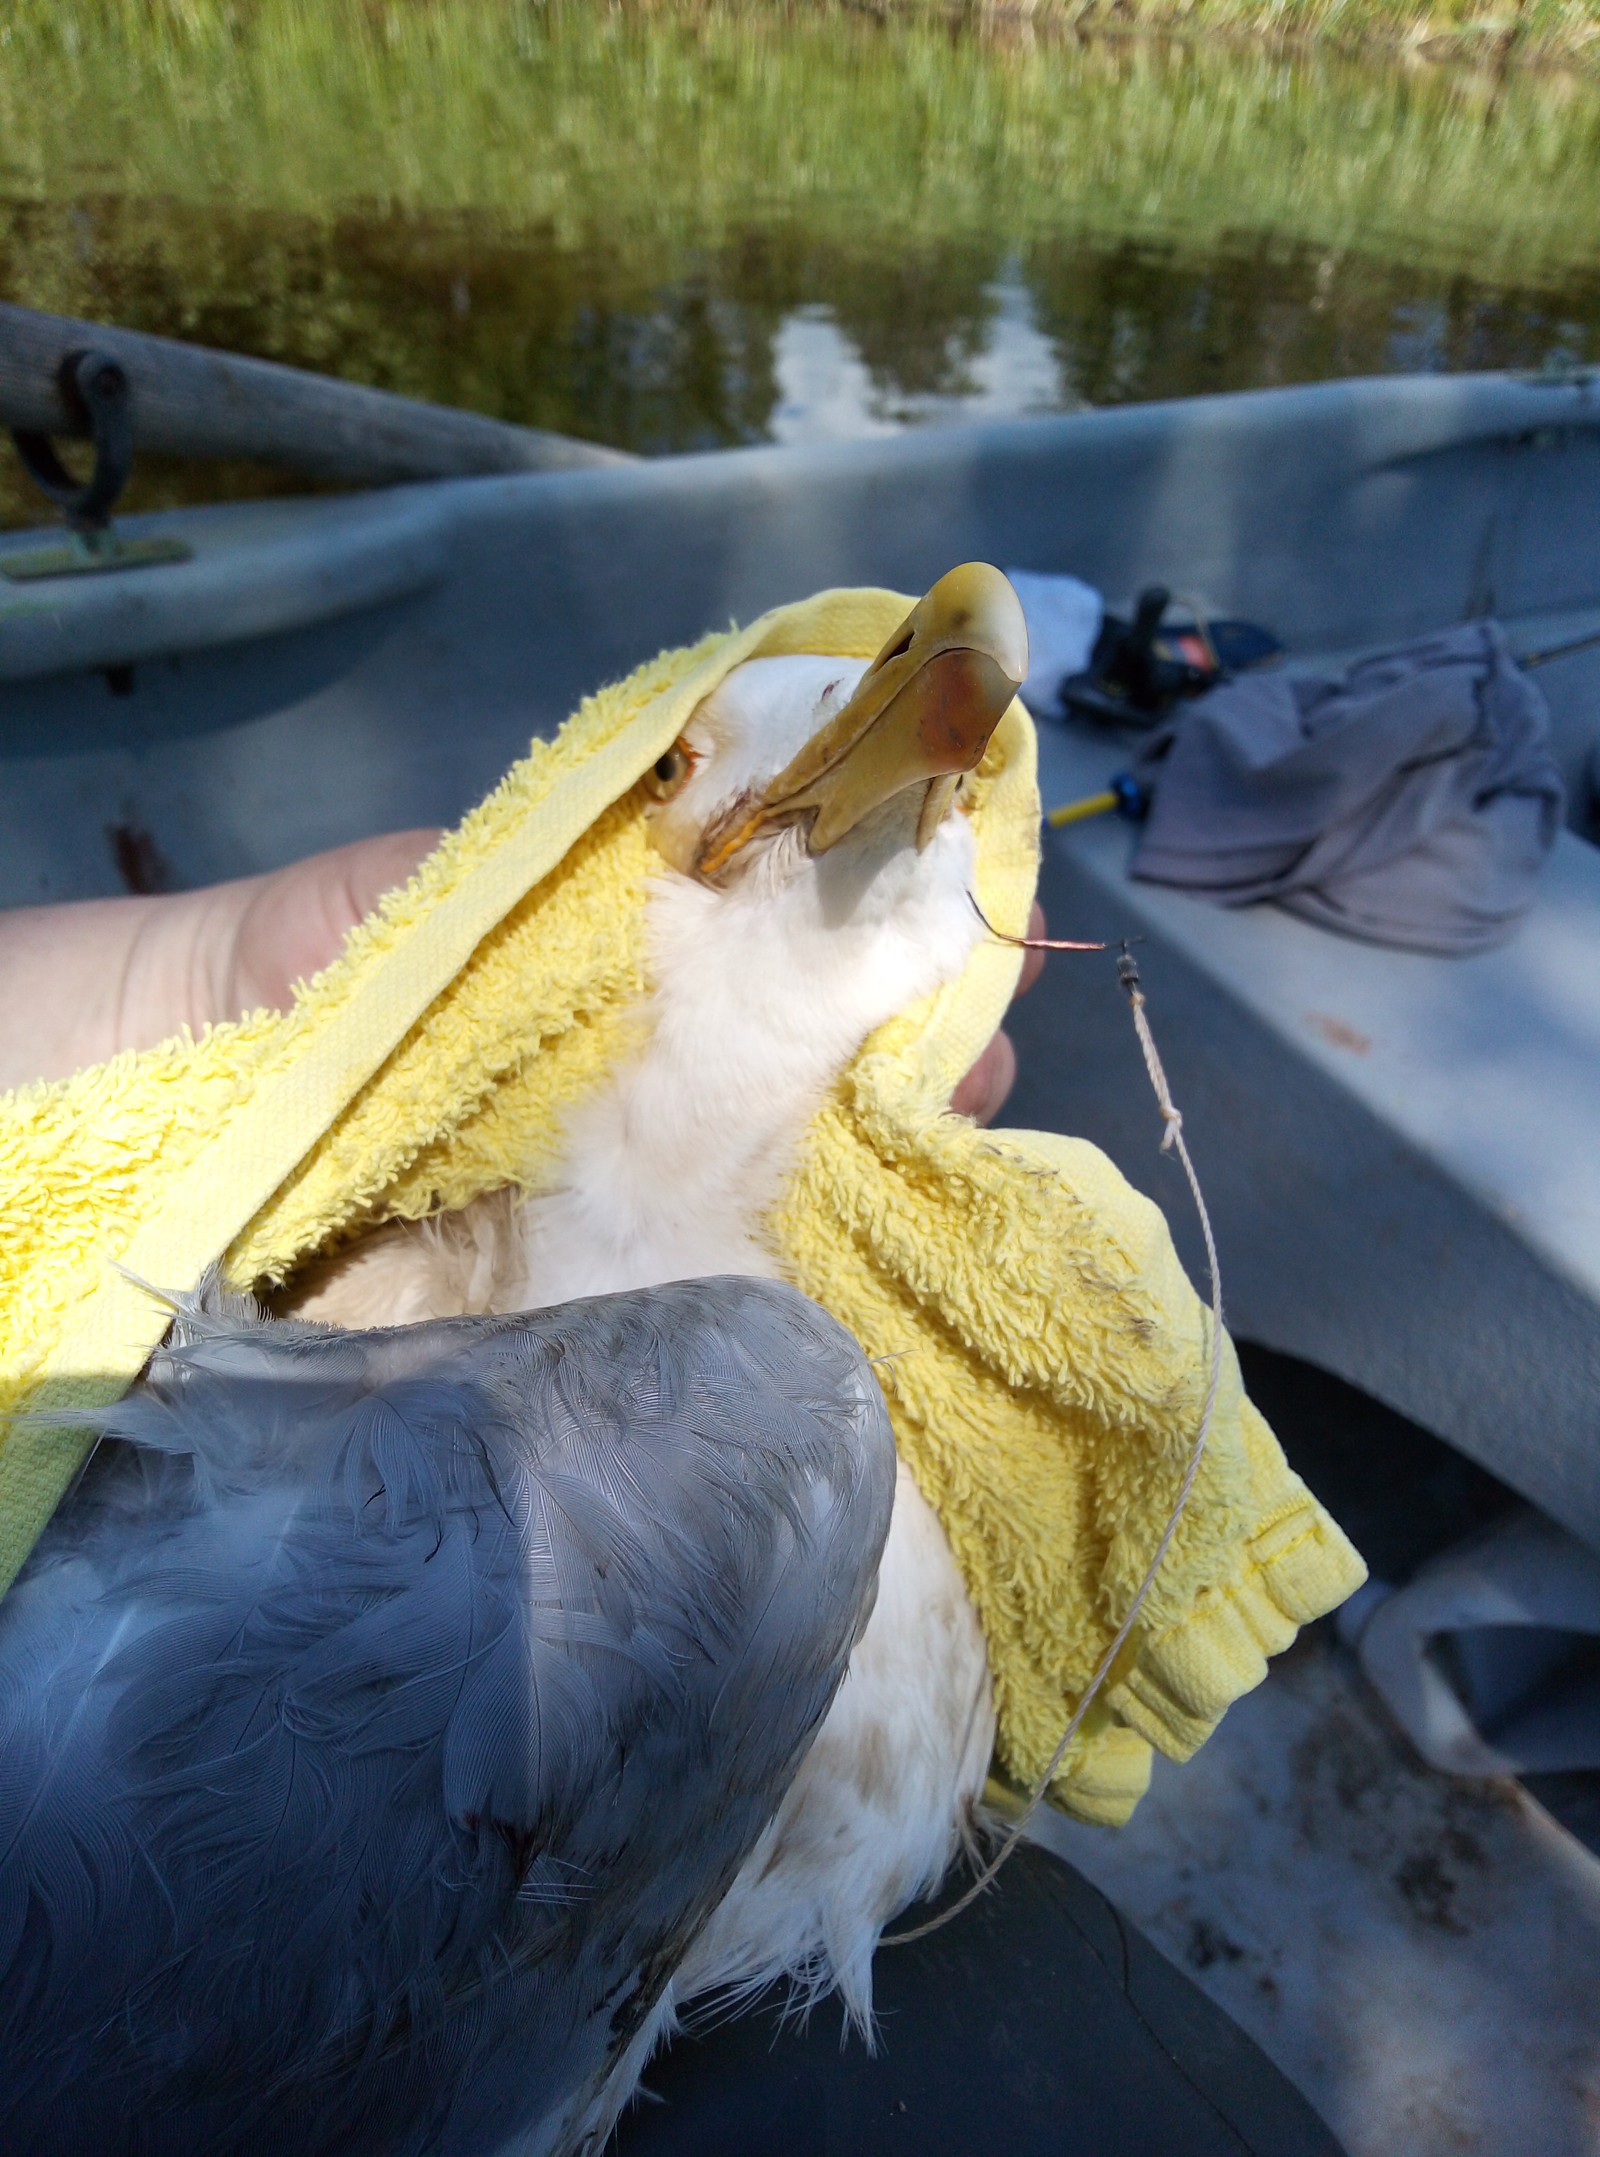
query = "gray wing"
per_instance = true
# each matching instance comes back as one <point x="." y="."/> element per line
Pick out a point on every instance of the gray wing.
<point x="386" y="1712"/>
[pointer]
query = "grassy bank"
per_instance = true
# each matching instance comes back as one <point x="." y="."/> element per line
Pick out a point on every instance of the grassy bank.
<point x="672" y="129"/>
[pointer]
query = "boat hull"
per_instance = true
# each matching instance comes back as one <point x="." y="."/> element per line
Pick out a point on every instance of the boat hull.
<point x="1398" y="1150"/>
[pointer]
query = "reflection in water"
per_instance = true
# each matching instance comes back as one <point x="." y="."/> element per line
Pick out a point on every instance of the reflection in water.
<point x="825" y="391"/>
<point x="765" y="337"/>
<point x="1005" y="370"/>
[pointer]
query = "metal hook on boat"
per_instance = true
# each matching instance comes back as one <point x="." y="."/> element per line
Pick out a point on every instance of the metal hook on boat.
<point x="95" y="388"/>
<point x="97" y="393"/>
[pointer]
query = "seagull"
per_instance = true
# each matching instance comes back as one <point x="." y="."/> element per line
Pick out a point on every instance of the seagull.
<point x="817" y="878"/>
<point x="431" y="1692"/>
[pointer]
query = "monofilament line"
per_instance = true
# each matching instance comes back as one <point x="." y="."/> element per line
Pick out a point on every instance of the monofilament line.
<point x="1172" y="1142"/>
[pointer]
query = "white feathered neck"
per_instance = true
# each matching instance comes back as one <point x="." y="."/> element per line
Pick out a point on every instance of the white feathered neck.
<point x="761" y="993"/>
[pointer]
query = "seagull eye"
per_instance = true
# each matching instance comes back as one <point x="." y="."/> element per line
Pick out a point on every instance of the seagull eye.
<point x="668" y="775"/>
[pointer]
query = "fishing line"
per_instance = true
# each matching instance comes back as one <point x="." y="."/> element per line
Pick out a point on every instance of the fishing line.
<point x="1028" y="943"/>
<point x="1172" y="1142"/>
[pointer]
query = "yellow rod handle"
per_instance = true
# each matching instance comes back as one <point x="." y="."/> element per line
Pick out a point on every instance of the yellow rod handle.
<point x="1074" y="812"/>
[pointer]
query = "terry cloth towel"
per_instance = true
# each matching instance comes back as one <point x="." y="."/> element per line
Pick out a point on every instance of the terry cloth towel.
<point x="1049" y="1356"/>
<point x="1411" y="801"/>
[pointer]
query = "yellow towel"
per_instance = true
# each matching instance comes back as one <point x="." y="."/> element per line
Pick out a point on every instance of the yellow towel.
<point x="1049" y="1355"/>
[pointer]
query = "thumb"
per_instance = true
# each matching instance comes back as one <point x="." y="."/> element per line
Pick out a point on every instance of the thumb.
<point x="292" y="923"/>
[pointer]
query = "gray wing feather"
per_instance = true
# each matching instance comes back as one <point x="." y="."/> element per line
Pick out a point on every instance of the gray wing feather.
<point x="386" y="1712"/>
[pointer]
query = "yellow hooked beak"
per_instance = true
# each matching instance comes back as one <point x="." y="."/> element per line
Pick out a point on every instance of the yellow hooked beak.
<point x="922" y="715"/>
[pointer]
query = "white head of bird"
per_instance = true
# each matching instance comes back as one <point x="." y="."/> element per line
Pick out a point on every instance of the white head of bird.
<point x="818" y="881"/>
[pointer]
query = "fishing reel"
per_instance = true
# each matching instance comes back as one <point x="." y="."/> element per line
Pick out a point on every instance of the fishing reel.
<point x="1139" y="671"/>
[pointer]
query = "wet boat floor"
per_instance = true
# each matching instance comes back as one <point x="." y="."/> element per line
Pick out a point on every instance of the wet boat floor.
<point x="1402" y="1496"/>
<point x="1419" y="1953"/>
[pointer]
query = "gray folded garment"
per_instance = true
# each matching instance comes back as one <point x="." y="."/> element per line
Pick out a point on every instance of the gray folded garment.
<point x="1410" y="802"/>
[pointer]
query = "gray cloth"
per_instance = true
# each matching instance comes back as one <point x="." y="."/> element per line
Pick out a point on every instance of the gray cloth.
<point x="1410" y="802"/>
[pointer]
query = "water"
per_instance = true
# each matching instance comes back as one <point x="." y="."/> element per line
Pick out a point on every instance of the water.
<point x="826" y="391"/>
<point x="685" y="230"/>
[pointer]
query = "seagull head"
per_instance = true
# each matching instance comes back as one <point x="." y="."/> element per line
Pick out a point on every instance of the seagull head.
<point x="826" y="770"/>
<point x="814" y="883"/>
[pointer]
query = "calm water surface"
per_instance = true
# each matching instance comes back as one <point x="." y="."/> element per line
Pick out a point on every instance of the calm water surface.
<point x="678" y="234"/>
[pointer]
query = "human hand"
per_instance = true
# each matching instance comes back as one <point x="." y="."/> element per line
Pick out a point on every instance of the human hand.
<point x="79" y="983"/>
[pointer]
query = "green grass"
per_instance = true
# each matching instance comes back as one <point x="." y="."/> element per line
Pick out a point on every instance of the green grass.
<point x="673" y="128"/>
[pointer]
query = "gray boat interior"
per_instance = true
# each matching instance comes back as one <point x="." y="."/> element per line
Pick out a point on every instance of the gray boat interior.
<point x="1398" y="1150"/>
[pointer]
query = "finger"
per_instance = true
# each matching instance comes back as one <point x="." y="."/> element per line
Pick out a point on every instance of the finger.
<point x="1032" y="961"/>
<point x="373" y="867"/>
<point x="982" y="1093"/>
<point x="294" y="921"/>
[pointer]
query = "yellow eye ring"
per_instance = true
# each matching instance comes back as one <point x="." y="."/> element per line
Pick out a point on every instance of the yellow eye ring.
<point x="670" y="772"/>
